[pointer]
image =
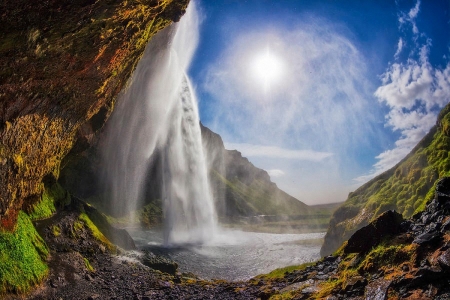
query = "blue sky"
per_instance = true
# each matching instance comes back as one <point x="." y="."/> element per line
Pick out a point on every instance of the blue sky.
<point x="323" y="95"/>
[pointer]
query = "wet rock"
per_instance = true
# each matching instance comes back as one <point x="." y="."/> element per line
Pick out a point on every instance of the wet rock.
<point x="389" y="223"/>
<point x="445" y="226"/>
<point x="444" y="259"/>
<point x="377" y="290"/>
<point x="443" y="186"/>
<point x="355" y="282"/>
<point x="428" y="238"/>
<point x="160" y="263"/>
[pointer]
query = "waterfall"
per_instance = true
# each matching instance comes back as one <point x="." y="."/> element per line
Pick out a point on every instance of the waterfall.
<point x="158" y="113"/>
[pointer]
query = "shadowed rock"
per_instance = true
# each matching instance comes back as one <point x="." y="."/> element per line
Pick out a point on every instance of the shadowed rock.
<point x="371" y="235"/>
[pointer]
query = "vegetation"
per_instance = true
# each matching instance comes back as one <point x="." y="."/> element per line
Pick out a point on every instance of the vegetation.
<point x="279" y="273"/>
<point x="22" y="257"/>
<point x="54" y="195"/>
<point x="84" y="221"/>
<point x="88" y="265"/>
<point x="406" y="188"/>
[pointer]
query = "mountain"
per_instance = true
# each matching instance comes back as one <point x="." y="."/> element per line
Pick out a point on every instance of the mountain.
<point x="240" y="189"/>
<point x="406" y="187"/>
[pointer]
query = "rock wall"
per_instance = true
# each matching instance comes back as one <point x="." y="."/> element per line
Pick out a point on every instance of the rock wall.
<point x="62" y="65"/>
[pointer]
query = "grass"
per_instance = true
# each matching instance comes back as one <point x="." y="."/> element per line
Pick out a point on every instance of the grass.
<point x="22" y="257"/>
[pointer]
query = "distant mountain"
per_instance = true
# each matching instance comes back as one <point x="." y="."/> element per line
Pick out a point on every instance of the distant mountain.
<point x="241" y="189"/>
<point x="406" y="187"/>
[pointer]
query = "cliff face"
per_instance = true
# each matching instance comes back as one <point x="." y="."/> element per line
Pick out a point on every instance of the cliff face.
<point x="241" y="189"/>
<point x="62" y="64"/>
<point x="406" y="188"/>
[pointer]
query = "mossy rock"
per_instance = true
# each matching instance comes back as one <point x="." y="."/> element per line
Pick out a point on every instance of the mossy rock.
<point x="22" y="257"/>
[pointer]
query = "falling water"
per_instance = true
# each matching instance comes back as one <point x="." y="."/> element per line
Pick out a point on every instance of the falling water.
<point x="158" y="113"/>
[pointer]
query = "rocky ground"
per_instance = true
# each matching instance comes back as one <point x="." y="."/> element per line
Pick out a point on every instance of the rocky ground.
<point x="391" y="258"/>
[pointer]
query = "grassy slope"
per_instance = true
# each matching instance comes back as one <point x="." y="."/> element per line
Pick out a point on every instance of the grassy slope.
<point x="405" y="188"/>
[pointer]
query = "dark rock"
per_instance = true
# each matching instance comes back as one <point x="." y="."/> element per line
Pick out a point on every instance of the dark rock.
<point x="88" y="277"/>
<point x="355" y="283"/>
<point x="160" y="263"/>
<point x="428" y="238"/>
<point x="444" y="259"/>
<point x="120" y="237"/>
<point x="443" y="186"/>
<point x="387" y="224"/>
<point x="445" y="226"/>
<point x="377" y="290"/>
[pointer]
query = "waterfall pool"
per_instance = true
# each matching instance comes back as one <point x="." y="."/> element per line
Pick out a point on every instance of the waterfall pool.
<point x="235" y="255"/>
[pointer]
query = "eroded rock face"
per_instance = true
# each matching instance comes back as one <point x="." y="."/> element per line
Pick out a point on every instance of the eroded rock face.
<point x="62" y="65"/>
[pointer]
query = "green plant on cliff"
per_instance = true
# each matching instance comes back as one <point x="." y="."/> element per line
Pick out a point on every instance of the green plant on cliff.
<point x="406" y="188"/>
<point x="54" y="195"/>
<point x="22" y="257"/>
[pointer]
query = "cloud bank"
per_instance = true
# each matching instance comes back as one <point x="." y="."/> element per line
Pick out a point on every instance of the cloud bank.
<point x="249" y="150"/>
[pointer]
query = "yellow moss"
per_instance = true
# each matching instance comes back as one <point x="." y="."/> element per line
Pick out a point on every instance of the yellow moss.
<point x="88" y="265"/>
<point x="95" y="232"/>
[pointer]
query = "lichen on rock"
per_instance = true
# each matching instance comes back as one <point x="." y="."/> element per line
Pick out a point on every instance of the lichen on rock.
<point x="62" y="63"/>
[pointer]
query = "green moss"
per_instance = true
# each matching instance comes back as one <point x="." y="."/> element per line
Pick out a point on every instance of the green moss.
<point x="56" y="230"/>
<point x="280" y="273"/>
<point x="22" y="256"/>
<point x="383" y="255"/>
<point x="94" y="230"/>
<point x="88" y="265"/>
<point x="54" y="195"/>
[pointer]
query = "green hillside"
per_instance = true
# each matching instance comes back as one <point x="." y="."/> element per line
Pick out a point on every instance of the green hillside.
<point x="405" y="188"/>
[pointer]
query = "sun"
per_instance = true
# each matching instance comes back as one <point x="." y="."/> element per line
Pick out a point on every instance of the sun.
<point x="267" y="69"/>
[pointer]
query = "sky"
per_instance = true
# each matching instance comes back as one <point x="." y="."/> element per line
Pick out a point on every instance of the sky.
<point x="323" y="95"/>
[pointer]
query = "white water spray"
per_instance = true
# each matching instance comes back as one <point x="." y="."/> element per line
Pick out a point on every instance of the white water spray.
<point x="158" y="112"/>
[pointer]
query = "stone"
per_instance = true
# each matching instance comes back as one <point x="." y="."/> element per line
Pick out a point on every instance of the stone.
<point x="443" y="186"/>
<point x="387" y="224"/>
<point x="160" y="263"/>
<point x="355" y="283"/>
<point x="377" y="290"/>
<point x="444" y="259"/>
<point x="428" y="238"/>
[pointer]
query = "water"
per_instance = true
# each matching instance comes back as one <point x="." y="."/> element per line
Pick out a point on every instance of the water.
<point x="158" y="113"/>
<point x="236" y="255"/>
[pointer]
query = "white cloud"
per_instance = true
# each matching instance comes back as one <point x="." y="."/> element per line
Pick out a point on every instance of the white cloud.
<point x="249" y="150"/>
<point x="414" y="92"/>
<point x="399" y="48"/>
<point x="410" y="17"/>
<point x="276" y="173"/>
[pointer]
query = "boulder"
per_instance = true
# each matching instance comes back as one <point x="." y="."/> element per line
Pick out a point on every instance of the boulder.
<point x="387" y="224"/>
<point x="160" y="263"/>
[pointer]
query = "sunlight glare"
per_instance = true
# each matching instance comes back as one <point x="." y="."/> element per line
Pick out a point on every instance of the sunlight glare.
<point x="267" y="69"/>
